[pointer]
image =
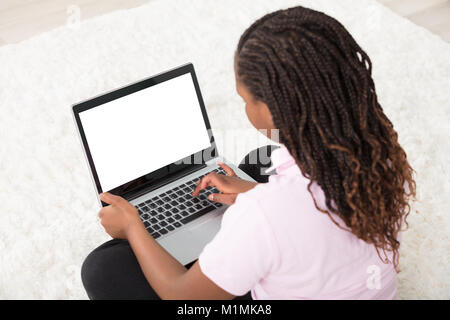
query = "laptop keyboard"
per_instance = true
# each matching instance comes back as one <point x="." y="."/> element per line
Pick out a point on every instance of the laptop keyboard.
<point x="172" y="209"/>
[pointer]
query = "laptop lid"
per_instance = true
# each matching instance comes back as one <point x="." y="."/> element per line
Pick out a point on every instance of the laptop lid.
<point x="146" y="134"/>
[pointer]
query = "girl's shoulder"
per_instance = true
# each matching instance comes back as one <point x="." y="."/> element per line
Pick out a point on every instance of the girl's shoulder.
<point x="280" y="188"/>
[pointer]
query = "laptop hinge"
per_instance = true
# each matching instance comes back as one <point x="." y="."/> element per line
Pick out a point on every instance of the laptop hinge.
<point x="136" y="194"/>
<point x="214" y="160"/>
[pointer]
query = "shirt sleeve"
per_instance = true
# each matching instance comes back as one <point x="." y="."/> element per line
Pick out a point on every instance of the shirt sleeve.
<point x="242" y="252"/>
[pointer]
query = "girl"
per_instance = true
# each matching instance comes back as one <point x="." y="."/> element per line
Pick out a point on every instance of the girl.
<point x="326" y="225"/>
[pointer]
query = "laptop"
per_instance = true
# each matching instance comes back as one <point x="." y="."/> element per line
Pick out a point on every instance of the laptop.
<point x="149" y="142"/>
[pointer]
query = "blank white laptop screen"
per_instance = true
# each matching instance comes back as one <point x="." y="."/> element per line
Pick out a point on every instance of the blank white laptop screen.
<point x="145" y="131"/>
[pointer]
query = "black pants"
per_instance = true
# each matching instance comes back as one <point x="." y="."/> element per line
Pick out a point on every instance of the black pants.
<point x="112" y="271"/>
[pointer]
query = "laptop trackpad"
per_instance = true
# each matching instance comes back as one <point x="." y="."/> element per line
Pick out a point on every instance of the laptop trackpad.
<point x="186" y="245"/>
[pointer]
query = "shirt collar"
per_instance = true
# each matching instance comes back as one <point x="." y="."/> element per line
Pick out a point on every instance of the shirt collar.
<point x="283" y="162"/>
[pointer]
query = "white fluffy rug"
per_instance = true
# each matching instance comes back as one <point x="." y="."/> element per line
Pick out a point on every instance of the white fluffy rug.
<point x="47" y="203"/>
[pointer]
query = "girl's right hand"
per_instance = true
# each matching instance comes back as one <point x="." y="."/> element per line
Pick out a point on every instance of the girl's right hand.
<point x="229" y="186"/>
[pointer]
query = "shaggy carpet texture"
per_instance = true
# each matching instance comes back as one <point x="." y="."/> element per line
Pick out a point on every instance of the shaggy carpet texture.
<point x="48" y="209"/>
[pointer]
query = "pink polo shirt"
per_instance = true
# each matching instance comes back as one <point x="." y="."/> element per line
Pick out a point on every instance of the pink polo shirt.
<point x="274" y="242"/>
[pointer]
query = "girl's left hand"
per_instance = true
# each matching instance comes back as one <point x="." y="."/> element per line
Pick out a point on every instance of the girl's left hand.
<point x="119" y="217"/>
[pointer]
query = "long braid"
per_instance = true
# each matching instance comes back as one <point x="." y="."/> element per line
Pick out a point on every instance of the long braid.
<point x="317" y="83"/>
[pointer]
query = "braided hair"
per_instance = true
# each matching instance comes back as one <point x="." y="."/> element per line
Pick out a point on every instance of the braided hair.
<point x="317" y="82"/>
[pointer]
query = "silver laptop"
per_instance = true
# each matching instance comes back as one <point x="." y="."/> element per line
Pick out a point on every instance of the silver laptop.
<point x="149" y="142"/>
